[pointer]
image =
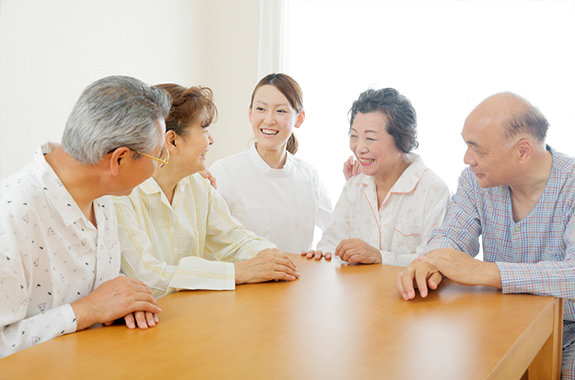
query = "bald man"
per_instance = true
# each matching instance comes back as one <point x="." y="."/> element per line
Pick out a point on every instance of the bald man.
<point x="519" y="194"/>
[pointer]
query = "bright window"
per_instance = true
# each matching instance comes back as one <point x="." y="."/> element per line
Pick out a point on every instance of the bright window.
<point x="445" y="56"/>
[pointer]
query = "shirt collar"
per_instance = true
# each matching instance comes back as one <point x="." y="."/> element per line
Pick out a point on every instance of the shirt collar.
<point x="266" y="169"/>
<point x="151" y="188"/>
<point x="53" y="187"/>
<point x="408" y="180"/>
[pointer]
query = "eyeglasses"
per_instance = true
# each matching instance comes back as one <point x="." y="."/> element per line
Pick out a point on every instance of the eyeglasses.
<point x="162" y="162"/>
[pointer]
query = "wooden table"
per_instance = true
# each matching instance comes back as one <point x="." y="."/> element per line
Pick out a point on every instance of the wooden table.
<point x="337" y="321"/>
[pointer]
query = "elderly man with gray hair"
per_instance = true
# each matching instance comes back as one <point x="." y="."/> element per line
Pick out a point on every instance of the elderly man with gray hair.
<point x="59" y="249"/>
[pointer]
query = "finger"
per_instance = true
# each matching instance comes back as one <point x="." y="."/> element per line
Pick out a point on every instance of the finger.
<point x="141" y="321"/>
<point x="318" y="255"/>
<point x="156" y="318"/>
<point x="398" y="284"/>
<point x="434" y="281"/>
<point x="421" y="276"/>
<point x="305" y="253"/>
<point x="129" y="318"/>
<point x="407" y="280"/>
<point x="151" y="319"/>
<point x="327" y="256"/>
<point x="286" y="260"/>
<point x="145" y="306"/>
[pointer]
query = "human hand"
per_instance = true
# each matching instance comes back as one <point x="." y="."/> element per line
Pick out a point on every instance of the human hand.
<point x="316" y="254"/>
<point x="357" y="251"/>
<point x="419" y="275"/>
<point x="351" y="168"/>
<point x="114" y="299"/>
<point x="210" y="177"/>
<point x="142" y="318"/>
<point x="269" y="264"/>
<point x="462" y="268"/>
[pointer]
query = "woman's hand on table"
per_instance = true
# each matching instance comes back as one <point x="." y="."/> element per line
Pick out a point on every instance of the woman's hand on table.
<point x="357" y="251"/>
<point x="311" y="254"/>
<point x="269" y="264"/>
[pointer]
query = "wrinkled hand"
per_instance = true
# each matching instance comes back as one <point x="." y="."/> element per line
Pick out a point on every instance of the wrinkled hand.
<point x="357" y="251"/>
<point x="351" y="168"/>
<point x="210" y="177"/>
<point x="462" y="268"/>
<point x="116" y="298"/>
<point x="269" y="264"/>
<point x="316" y="254"/>
<point x="420" y="275"/>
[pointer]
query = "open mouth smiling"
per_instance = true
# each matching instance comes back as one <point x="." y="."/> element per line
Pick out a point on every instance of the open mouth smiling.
<point x="269" y="132"/>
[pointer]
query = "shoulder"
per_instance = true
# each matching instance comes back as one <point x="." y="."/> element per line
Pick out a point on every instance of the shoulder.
<point x="23" y="193"/>
<point x="304" y="168"/>
<point x="230" y="162"/>
<point x="431" y="180"/>
<point x="564" y="163"/>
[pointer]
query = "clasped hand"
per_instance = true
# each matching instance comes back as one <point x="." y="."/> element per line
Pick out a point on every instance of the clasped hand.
<point x="269" y="264"/>
<point x="426" y="272"/>
<point x="120" y="297"/>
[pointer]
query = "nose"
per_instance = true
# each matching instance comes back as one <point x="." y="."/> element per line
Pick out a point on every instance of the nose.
<point x="210" y="139"/>
<point x="468" y="158"/>
<point x="269" y="119"/>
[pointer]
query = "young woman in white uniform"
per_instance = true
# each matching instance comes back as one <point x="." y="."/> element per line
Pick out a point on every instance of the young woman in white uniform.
<point x="273" y="193"/>
<point x="385" y="214"/>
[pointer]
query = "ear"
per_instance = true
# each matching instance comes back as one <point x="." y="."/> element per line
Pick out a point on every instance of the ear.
<point x="250" y="114"/>
<point x="118" y="159"/>
<point x="525" y="149"/>
<point x="171" y="138"/>
<point x="300" y="119"/>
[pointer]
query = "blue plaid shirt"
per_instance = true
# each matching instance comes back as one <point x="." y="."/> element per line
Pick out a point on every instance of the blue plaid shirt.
<point x="535" y="255"/>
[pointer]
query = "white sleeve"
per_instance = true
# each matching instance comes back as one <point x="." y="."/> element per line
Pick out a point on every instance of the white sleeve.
<point x="340" y="225"/>
<point x="16" y="331"/>
<point x="323" y="216"/>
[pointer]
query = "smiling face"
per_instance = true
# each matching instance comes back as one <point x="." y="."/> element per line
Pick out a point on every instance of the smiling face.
<point x="273" y="119"/>
<point x="191" y="149"/>
<point x="373" y="147"/>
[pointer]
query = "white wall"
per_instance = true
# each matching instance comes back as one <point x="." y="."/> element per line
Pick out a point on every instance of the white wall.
<point x="50" y="50"/>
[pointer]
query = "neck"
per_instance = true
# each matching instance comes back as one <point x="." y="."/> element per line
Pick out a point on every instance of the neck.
<point x="533" y="178"/>
<point x="82" y="182"/>
<point x="385" y="181"/>
<point x="167" y="178"/>
<point x="275" y="158"/>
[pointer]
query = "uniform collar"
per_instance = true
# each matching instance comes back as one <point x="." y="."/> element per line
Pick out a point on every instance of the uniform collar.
<point x="259" y="163"/>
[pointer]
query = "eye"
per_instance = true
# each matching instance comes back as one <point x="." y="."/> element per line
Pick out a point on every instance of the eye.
<point x="282" y="111"/>
<point x="370" y="139"/>
<point x="259" y="109"/>
<point x="352" y="136"/>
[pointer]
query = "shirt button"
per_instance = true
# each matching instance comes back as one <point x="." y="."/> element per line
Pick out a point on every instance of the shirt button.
<point x="517" y="229"/>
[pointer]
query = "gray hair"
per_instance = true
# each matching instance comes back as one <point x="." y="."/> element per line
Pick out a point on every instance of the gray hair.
<point x="528" y="120"/>
<point x="401" y="116"/>
<point x="114" y="112"/>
